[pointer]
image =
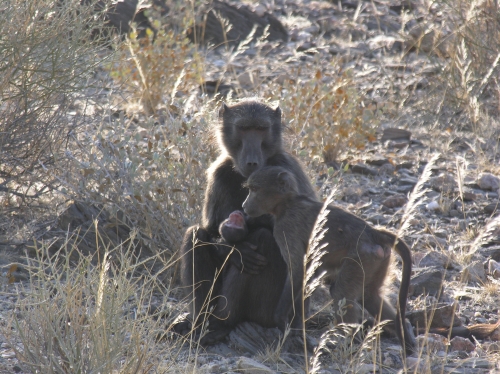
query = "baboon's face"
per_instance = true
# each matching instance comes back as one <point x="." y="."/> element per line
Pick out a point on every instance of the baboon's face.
<point x="269" y="188"/>
<point x="251" y="134"/>
<point x="260" y="201"/>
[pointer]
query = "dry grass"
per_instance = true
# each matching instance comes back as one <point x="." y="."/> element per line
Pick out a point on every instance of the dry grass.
<point x="142" y="152"/>
<point x="47" y="56"/>
<point x="81" y="317"/>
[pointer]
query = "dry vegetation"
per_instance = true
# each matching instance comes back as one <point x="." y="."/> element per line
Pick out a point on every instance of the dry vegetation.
<point x="123" y="126"/>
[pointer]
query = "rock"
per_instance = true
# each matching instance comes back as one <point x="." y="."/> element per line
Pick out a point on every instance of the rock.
<point x="377" y="161"/>
<point x="248" y="366"/>
<point x="432" y="343"/>
<point x="378" y="219"/>
<point x="417" y="364"/>
<point x="242" y="20"/>
<point x="443" y="183"/>
<point x="404" y="165"/>
<point x="441" y="316"/>
<point x="478" y="363"/>
<point x="437" y="259"/>
<point x="366" y="368"/>
<point x="433" y="206"/>
<point x="392" y="133"/>
<point x="461" y="344"/>
<point x="398" y="143"/>
<point x="363" y="169"/>
<point x="411" y="181"/>
<point x="395" y="201"/>
<point x="474" y="272"/>
<point x="386" y="169"/>
<point x="468" y="194"/>
<point x="392" y="359"/>
<point x="427" y="281"/>
<point x="260" y="10"/>
<point x="488" y="182"/>
<point x="494" y="269"/>
<point x="491" y="208"/>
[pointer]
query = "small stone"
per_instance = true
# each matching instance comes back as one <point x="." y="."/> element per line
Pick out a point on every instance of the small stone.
<point x="399" y="144"/>
<point x="474" y="272"/>
<point x="378" y="219"/>
<point x="408" y="181"/>
<point x="363" y="169"/>
<point x="260" y="10"/>
<point x="392" y="133"/>
<point x="377" y="161"/>
<point x="386" y="169"/>
<point x="443" y="183"/>
<point x="428" y="280"/>
<point x="366" y="368"/>
<point x="417" y="364"/>
<point x="468" y="195"/>
<point x="488" y="182"/>
<point x="491" y="208"/>
<point x="395" y="201"/>
<point x="249" y="366"/>
<point x="305" y="46"/>
<point x="494" y="269"/>
<point x="432" y="342"/>
<point x="433" y="206"/>
<point x="435" y="258"/>
<point x="461" y="344"/>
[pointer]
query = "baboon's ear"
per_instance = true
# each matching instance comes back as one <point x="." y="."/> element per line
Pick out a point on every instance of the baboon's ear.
<point x="285" y="181"/>
<point x="277" y="113"/>
<point x="223" y="109"/>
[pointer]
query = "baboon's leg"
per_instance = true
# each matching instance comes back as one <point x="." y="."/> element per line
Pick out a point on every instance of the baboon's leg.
<point x="199" y="263"/>
<point x="348" y="285"/>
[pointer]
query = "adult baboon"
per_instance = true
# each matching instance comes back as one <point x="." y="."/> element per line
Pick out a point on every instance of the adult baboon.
<point x="250" y="137"/>
<point x="356" y="259"/>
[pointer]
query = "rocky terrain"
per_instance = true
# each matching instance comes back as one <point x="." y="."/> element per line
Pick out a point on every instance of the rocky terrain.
<point x="396" y="53"/>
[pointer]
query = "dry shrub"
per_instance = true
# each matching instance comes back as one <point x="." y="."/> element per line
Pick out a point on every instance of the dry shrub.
<point x="47" y="54"/>
<point x="327" y="115"/>
<point x="152" y="174"/>
<point x="158" y="67"/>
<point x="81" y="318"/>
<point x="470" y="75"/>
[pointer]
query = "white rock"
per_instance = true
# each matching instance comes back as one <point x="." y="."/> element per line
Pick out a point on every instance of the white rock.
<point x="260" y="10"/>
<point x="249" y="366"/>
<point x="488" y="181"/>
<point x="494" y="269"/>
<point x="433" y="206"/>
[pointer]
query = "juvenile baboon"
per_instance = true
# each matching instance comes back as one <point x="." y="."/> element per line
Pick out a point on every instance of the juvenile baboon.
<point x="234" y="228"/>
<point x="357" y="255"/>
<point x="249" y="138"/>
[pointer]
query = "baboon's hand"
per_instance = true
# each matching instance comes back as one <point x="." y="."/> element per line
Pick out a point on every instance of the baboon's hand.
<point x="246" y="259"/>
